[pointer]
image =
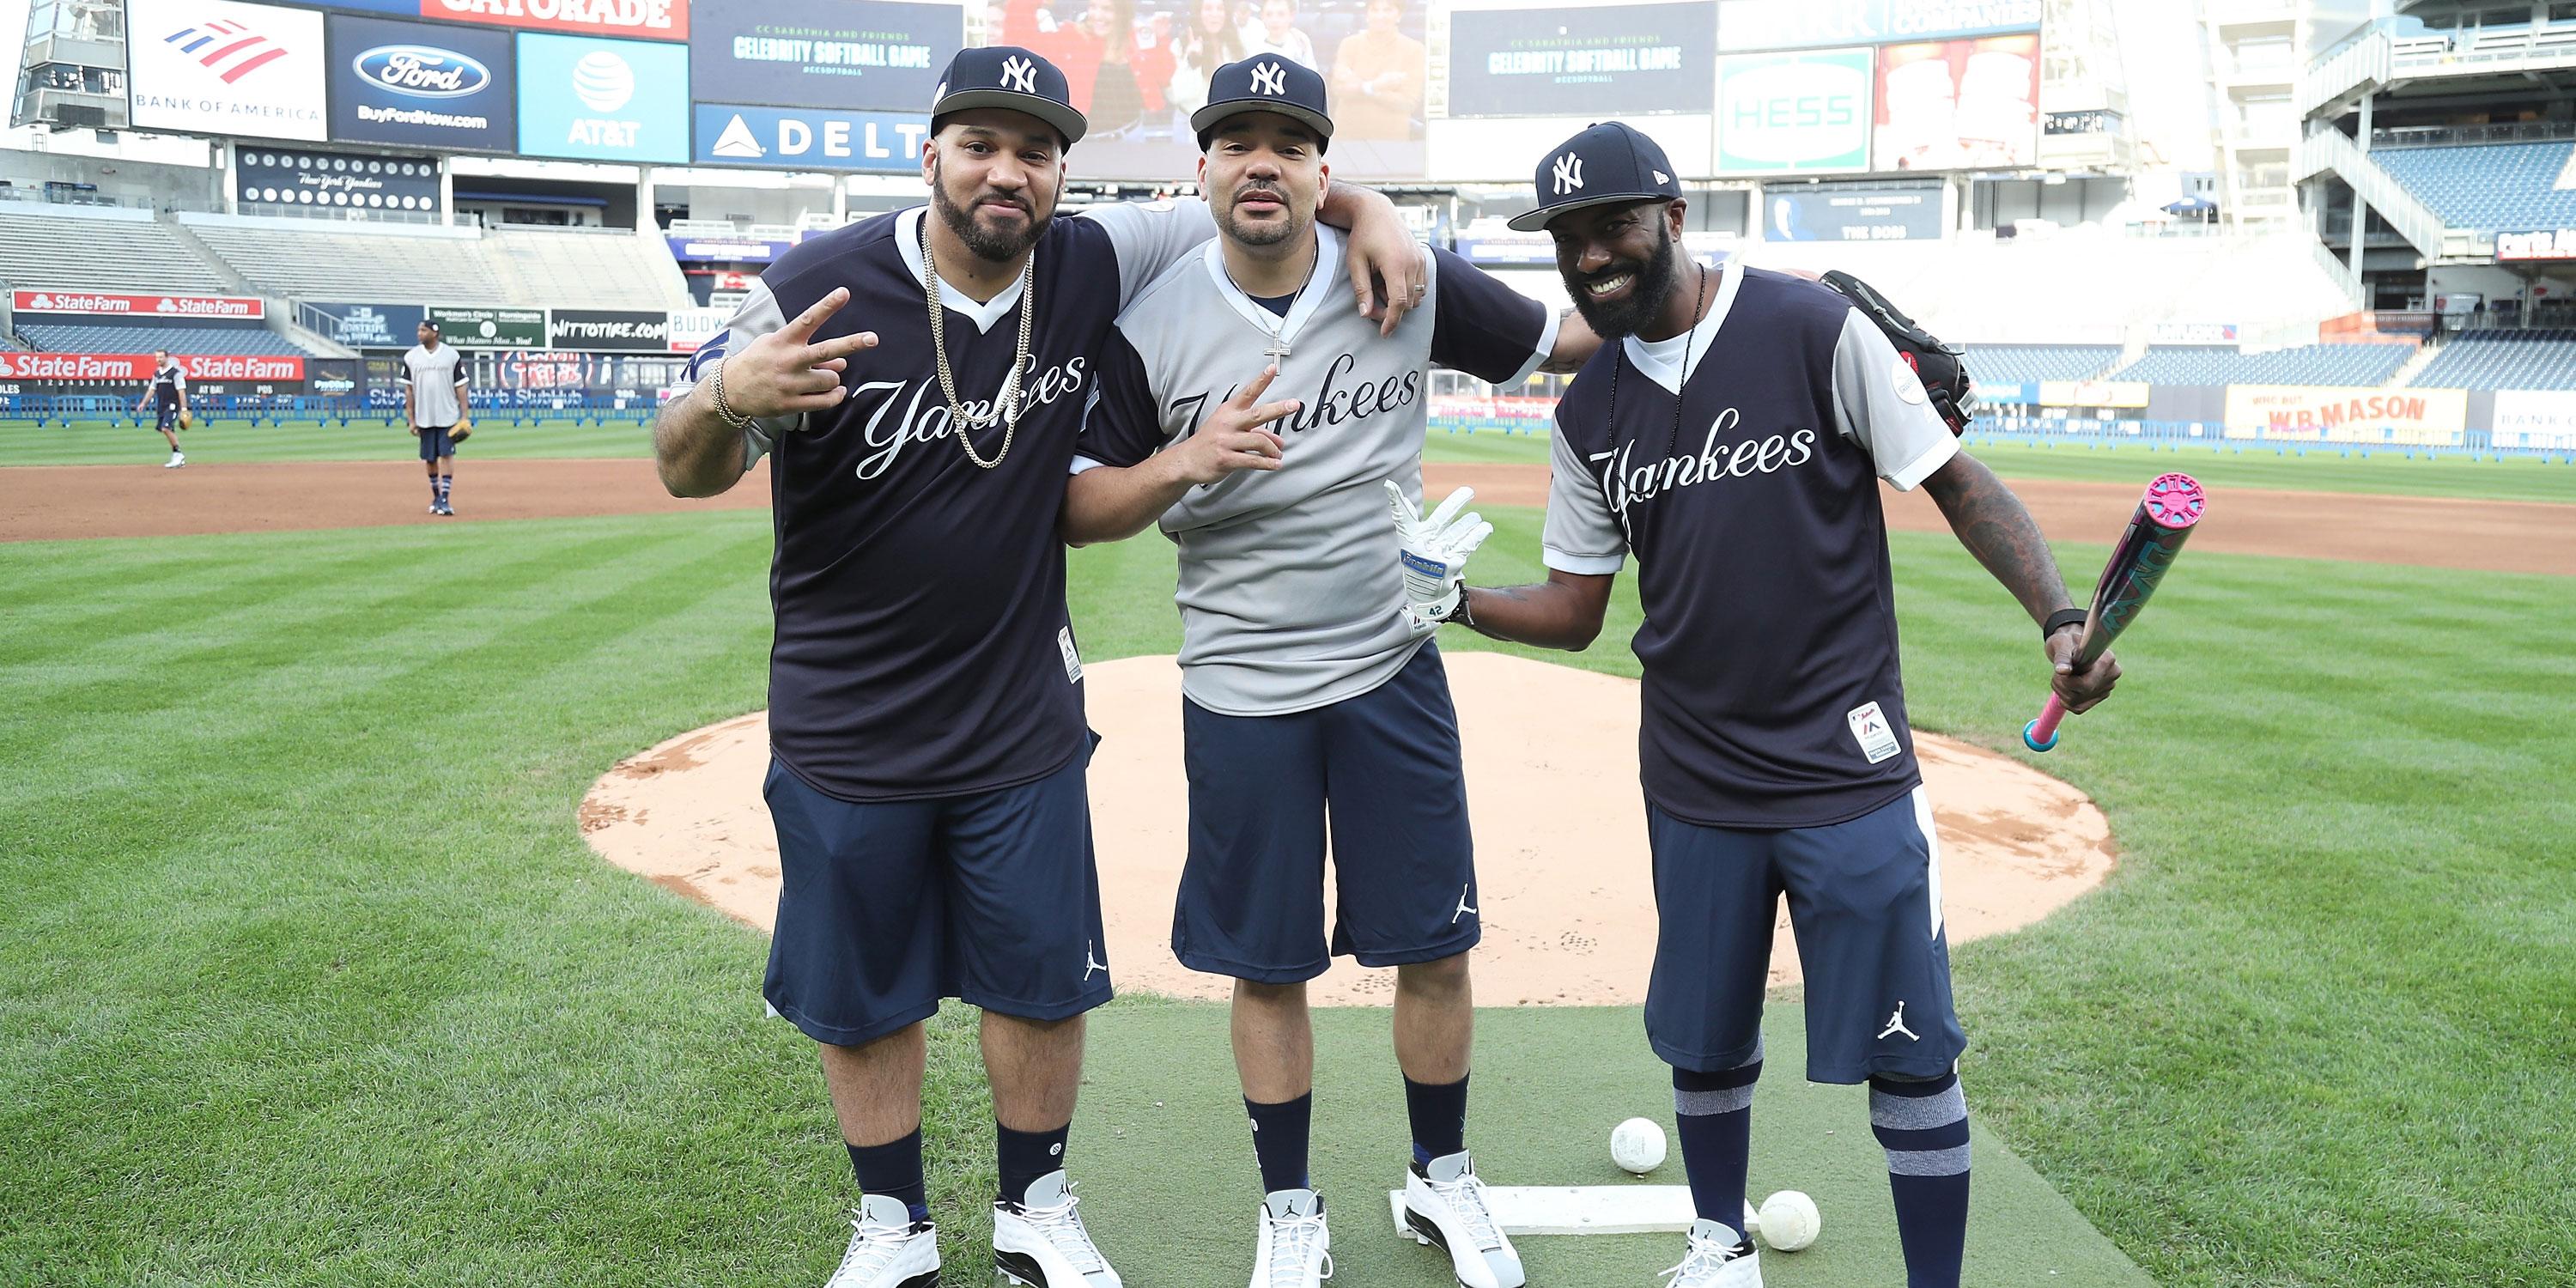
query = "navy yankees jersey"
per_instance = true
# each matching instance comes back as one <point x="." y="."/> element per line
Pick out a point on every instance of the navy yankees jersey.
<point x="1772" y="697"/>
<point x="167" y="382"/>
<point x="922" y="645"/>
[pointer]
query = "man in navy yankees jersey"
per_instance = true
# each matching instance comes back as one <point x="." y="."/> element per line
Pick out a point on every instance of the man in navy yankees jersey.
<point x="925" y="688"/>
<point x="167" y="393"/>
<point x="1733" y="439"/>
<point x="1310" y="696"/>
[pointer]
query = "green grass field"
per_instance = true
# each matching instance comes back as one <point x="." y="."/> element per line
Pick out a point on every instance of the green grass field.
<point x="307" y="978"/>
<point x="2324" y="469"/>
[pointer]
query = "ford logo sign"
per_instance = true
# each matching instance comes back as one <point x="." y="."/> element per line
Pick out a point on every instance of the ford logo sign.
<point x="421" y="71"/>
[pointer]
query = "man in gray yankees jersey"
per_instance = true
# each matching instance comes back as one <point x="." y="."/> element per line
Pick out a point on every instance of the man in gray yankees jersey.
<point x="1312" y="699"/>
<point x="1734" y="439"/>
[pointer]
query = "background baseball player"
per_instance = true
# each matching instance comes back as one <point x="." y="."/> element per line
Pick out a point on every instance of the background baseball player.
<point x="925" y="688"/>
<point x="1733" y="440"/>
<point x="1310" y="695"/>
<point x="167" y="392"/>
<point x="434" y="403"/>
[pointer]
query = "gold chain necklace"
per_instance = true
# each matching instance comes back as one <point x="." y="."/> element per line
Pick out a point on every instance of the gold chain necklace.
<point x="1006" y="404"/>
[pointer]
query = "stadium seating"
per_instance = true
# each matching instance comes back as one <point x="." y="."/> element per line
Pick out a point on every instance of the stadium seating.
<point x="2503" y="360"/>
<point x="64" y="247"/>
<point x="2313" y="364"/>
<point x="398" y="263"/>
<point x="590" y="269"/>
<point x="2510" y="186"/>
<point x="2025" y="364"/>
<point x="111" y="338"/>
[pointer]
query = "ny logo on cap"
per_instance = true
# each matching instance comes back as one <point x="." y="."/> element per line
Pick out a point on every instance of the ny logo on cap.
<point x="1569" y="173"/>
<point x="1020" y="74"/>
<point x="1269" y="78"/>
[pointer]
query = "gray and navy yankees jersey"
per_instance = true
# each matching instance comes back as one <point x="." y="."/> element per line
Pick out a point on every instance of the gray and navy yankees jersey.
<point x="922" y="645"/>
<point x="433" y="377"/>
<point x="168" y="383"/>
<point x="1772" y="697"/>
<point x="1289" y="590"/>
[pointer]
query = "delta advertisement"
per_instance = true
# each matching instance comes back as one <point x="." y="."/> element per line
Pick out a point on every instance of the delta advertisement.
<point x="1793" y="113"/>
<point x="118" y="304"/>
<point x="2535" y="419"/>
<point x="643" y="19"/>
<point x="1841" y="212"/>
<point x="479" y="328"/>
<point x="603" y="100"/>
<point x="2308" y="414"/>
<point x="811" y="139"/>
<point x="1624" y="60"/>
<point x="1959" y="104"/>
<point x="1797" y="24"/>
<point x="856" y="55"/>
<point x="97" y="368"/>
<point x="223" y="67"/>
<point x="412" y="84"/>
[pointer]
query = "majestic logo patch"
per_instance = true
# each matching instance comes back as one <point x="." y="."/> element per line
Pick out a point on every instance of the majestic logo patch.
<point x="1569" y="173"/>
<point x="1020" y="74"/>
<point x="1269" y="78"/>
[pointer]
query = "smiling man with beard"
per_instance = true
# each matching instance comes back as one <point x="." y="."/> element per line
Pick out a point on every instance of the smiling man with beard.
<point x="1733" y="440"/>
<point x="1312" y="700"/>
<point x="925" y="694"/>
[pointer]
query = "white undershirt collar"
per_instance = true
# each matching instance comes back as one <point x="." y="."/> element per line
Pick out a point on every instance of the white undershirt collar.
<point x="1662" y="361"/>
<point x="907" y="239"/>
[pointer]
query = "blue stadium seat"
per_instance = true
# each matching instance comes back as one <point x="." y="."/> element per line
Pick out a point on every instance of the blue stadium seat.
<point x="2508" y="186"/>
<point x="2312" y="364"/>
<point x="2026" y="364"/>
<point x="92" y="337"/>
<point x="2540" y="359"/>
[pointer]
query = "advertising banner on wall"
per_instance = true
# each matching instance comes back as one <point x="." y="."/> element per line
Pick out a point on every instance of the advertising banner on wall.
<point x="267" y="176"/>
<point x="643" y="19"/>
<point x="2193" y="333"/>
<point x="725" y="250"/>
<point x="1797" y="24"/>
<point x="603" y="100"/>
<point x="482" y="328"/>
<point x="622" y="330"/>
<point x="2535" y="419"/>
<point x="109" y="367"/>
<point x="811" y="139"/>
<point x="1849" y="212"/>
<point x="1615" y="60"/>
<point x="122" y="305"/>
<point x="418" y="85"/>
<point x="2093" y="393"/>
<point x="2302" y="413"/>
<point x="855" y="55"/>
<point x="1793" y="113"/>
<point x="223" y="67"/>
<point x="368" y="326"/>
<point x="693" y="327"/>
<point x="1958" y="104"/>
<point x="2557" y="243"/>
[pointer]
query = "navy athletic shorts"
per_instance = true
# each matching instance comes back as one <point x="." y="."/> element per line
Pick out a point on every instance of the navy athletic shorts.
<point x="169" y="416"/>
<point x="1865" y="905"/>
<point x="1381" y="770"/>
<point x="886" y="907"/>
<point x="434" y="442"/>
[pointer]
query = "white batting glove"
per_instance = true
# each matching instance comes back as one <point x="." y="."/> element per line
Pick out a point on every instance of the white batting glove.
<point x="1433" y="552"/>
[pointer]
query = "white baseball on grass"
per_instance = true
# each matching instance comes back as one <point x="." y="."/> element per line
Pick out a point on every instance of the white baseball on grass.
<point x="1637" y="1145"/>
<point x="1789" y="1220"/>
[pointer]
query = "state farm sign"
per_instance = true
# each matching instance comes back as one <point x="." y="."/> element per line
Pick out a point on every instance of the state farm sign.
<point x="112" y="304"/>
<point x="112" y="367"/>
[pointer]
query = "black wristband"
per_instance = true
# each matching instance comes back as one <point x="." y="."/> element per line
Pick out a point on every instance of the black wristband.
<point x="2062" y="619"/>
<point x="1461" y="615"/>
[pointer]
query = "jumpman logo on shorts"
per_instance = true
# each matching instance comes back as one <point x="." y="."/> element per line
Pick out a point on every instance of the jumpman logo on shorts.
<point x="1091" y="963"/>
<point x="1896" y="1024"/>
<point x="1463" y="909"/>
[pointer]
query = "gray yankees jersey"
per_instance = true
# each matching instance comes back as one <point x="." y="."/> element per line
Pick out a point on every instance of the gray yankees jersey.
<point x="1289" y="591"/>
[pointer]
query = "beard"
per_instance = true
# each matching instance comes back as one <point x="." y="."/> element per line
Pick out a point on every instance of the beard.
<point x="1270" y="233"/>
<point x="988" y="244"/>
<point x="1646" y="300"/>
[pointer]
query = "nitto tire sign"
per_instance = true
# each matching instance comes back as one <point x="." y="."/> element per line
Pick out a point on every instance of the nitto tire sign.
<point x="608" y="330"/>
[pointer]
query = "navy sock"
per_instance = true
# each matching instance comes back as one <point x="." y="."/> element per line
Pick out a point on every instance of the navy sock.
<point x="1280" y="1134"/>
<point x="446" y="484"/>
<point x="1713" y="1113"/>
<point x="1923" y="1126"/>
<point x="1438" y="1112"/>
<point x="1024" y="1156"/>
<point x="893" y="1169"/>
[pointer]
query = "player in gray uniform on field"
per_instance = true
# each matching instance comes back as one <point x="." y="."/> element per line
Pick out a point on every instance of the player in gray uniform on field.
<point x="1312" y="700"/>
<point x="1734" y="439"/>
<point x="433" y="383"/>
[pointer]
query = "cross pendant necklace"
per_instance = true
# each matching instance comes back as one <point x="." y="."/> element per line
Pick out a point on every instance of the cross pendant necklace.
<point x="1278" y="347"/>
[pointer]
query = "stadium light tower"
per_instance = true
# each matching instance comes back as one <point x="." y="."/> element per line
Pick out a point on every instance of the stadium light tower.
<point x="72" y="75"/>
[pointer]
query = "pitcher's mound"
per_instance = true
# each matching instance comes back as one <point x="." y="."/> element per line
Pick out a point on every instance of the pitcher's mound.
<point x="1562" y="878"/>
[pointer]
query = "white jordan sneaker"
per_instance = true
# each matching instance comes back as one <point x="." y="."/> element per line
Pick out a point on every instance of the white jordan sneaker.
<point x="1295" y="1250"/>
<point x="1444" y="1204"/>
<point x="1041" y="1243"/>
<point x="1718" y="1258"/>
<point x="888" y="1249"/>
<point x="176" y="460"/>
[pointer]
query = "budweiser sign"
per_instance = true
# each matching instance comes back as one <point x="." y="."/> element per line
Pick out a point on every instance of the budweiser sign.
<point x="111" y="304"/>
<point x="108" y="368"/>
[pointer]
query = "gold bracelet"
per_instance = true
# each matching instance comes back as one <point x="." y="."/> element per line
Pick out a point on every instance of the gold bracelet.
<point x="732" y="419"/>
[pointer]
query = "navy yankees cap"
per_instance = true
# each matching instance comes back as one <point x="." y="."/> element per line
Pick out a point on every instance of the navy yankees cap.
<point x="1605" y="164"/>
<point x="1012" y="78"/>
<point x="1264" y="83"/>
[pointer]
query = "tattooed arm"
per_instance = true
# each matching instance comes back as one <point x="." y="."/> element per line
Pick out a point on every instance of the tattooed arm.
<point x="1575" y="344"/>
<point x="1995" y="527"/>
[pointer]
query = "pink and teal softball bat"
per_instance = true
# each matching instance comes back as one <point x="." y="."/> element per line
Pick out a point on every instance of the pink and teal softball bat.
<point x="2165" y="518"/>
